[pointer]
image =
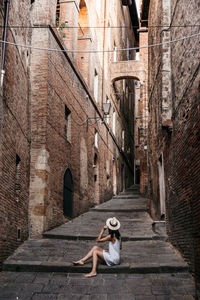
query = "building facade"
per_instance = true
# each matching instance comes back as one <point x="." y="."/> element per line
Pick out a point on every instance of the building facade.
<point x="59" y="153"/>
<point x="173" y="137"/>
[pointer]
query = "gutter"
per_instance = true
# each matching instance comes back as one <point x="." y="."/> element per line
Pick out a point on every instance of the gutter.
<point x="6" y="11"/>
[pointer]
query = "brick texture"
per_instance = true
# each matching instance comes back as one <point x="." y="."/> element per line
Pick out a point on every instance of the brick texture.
<point x="178" y="137"/>
<point x="43" y="89"/>
<point x="14" y="141"/>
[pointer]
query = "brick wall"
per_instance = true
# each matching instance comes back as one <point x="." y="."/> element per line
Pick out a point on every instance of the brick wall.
<point x="180" y="147"/>
<point x="14" y="138"/>
<point x="184" y="159"/>
<point x="40" y="89"/>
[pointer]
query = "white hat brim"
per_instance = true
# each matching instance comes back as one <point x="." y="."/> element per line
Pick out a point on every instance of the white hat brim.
<point x="112" y="227"/>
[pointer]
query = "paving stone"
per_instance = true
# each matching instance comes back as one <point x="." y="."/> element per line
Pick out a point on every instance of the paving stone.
<point x="43" y="296"/>
<point x="160" y="290"/>
<point x="73" y="297"/>
<point x="99" y="297"/>
<point x="43" y="278"/>
<point x="120" y="296"/>
<point x="174" y="297"/>
<point x="143" y="297"/>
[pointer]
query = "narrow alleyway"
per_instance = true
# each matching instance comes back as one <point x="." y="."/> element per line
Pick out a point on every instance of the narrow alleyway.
<point x="150" y="267"/>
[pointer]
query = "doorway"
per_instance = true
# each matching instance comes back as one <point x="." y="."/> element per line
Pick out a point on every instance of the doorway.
<point x="68" y="194"/>
<point x="161" y="185"/>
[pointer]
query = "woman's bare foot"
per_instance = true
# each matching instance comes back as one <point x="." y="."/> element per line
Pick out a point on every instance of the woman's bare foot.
<point x="78" y="262"/>
<point x="91" y="274"/>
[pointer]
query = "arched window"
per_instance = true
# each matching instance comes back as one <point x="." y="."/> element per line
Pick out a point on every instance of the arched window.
<point x="68" y="191"/>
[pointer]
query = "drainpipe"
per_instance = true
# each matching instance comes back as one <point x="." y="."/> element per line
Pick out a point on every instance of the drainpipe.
<point x="6" y="10"/>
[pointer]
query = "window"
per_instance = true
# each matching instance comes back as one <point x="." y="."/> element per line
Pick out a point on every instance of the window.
<point x="17" y="178"/>
<point x="96" y="85"/>
<point x="123" y="34"/>
<point x="137" y="55"/>
<point x="107" y="117"/>
<point x="114" y="122"/>
<point x="96" y="139"/>
<point x="58" y="13"/>
<point x="128" y="53"/>
<point x="115" y="53"/>
<point x="67" y="124"/>
<point x="123" y="136"/>
<point x="109" y="36"/>
<point x="98" y="7"/>
<point x="124" y="85"/>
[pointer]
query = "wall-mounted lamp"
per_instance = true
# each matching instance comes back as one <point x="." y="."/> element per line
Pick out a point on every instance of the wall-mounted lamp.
<point x="106" y="110"/>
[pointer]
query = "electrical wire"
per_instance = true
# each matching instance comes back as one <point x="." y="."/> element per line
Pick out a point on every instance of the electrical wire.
<point x="100" y="51"/>
<point x="101" y="27"/>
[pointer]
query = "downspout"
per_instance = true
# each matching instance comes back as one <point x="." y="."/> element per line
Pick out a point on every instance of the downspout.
<point x="6" y="11"/>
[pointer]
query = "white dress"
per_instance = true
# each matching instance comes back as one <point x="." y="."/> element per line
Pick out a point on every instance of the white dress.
<point x="112" y="257"/>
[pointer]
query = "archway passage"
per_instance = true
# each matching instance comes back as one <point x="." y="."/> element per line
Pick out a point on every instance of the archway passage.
<point x="68" y="194"/>
<point x="128" y="69"/>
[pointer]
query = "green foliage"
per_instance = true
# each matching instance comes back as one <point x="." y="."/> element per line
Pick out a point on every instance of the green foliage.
<point x="60" y="27"/>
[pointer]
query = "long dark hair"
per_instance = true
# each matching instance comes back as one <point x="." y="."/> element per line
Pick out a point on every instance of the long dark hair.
<point x="114" y="232"/>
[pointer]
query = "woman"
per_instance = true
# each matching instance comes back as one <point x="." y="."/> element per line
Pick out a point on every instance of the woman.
<point x="110" y="257"/>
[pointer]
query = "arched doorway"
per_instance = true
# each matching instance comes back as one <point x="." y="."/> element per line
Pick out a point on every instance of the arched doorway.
<point x="68" y="194"/>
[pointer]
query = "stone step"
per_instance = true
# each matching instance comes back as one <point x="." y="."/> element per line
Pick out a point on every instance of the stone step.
<point x="126" y="197"/>
<point x="48" y="255"/>
<point x="134" y="226"/>
<point x="57" y="266"/>
<point x="136" y="209"/>
<point x="123" y="204"/>
<point x="93" y="238"/>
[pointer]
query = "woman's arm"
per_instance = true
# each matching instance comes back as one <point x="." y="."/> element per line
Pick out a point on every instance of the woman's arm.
<point x="107" y="238"/>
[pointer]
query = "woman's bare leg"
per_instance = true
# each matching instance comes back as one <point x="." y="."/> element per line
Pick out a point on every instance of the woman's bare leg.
<point x="96" y="254"/>
<point x="88" y="255"/>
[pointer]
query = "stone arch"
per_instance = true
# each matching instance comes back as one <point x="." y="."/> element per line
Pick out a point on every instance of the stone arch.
<point x="125" y="77"/>
<point x="128" y="69"/>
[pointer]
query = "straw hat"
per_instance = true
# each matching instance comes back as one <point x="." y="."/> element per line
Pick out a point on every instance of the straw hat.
<point x="113" y="223"/>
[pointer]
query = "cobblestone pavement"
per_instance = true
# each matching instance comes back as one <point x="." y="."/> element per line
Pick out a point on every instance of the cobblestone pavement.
<point x="64" y="286"/>
<point x="150" y="267"/>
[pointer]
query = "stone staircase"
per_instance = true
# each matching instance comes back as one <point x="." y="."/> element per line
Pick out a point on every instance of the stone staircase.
<point x="144" y="250"/>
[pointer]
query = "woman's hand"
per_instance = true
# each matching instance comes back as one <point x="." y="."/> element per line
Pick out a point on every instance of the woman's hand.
<point x="105" y="227"/>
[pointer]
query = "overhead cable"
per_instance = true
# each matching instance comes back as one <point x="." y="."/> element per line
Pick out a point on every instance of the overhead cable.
<point x="101" y="51"/>
<point x="102" y="27"/>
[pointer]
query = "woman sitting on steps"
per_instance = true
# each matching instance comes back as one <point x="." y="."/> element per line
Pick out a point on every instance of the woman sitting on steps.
<point x="110" y="257"/>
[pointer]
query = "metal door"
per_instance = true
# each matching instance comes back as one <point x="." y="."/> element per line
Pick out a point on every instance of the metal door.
<point x="68" y="194"/>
